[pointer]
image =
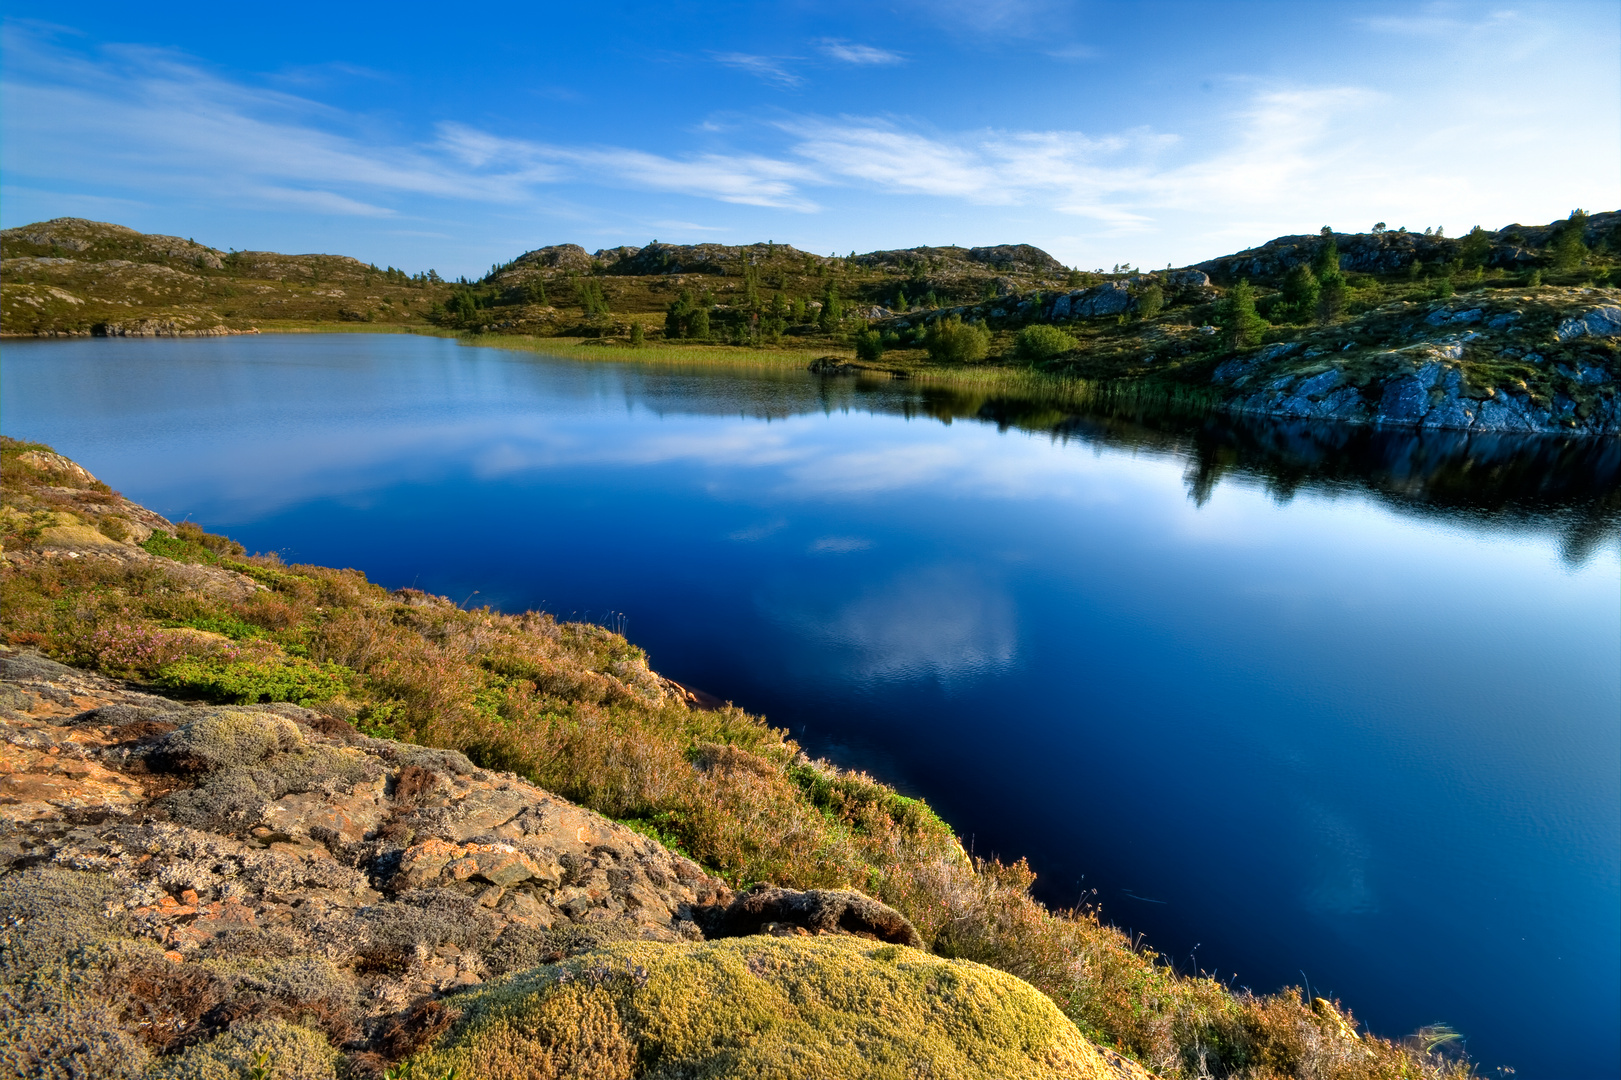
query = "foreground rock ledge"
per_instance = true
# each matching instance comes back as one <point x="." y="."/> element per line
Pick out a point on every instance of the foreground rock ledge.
<point x="231" y="881"/>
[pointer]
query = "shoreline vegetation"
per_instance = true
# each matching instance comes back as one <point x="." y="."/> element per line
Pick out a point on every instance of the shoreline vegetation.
<point x="97" y="582"/>
<point x="1517" y="329"/>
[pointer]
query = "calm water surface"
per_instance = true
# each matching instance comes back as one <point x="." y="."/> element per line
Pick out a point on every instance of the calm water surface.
<point x="1294" y="703"/>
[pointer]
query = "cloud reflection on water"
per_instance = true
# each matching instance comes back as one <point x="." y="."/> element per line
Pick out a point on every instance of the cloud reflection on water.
<point x="945" y="622"/>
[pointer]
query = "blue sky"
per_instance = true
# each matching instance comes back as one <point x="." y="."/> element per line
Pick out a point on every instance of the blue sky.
<point x="457" y="136"/>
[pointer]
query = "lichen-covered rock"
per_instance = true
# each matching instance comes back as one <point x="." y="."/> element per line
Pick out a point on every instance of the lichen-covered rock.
<point x="763" y="1007"/>
<point x="768" y="910"/>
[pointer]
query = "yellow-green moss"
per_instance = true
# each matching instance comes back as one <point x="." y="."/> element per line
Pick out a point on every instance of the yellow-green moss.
<point x="763" y="1007"/>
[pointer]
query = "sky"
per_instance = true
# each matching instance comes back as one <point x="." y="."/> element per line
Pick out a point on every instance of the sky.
<point x="437" y="136"/>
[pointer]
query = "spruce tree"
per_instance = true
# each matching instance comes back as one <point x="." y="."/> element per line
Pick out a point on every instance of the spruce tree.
<point x="637" y="335"/>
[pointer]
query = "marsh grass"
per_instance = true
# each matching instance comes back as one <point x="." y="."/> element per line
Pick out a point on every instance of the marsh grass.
<point x="737" y="357"/>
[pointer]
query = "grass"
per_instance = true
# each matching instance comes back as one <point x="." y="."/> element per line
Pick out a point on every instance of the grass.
<point x="574" y="708"/>
<point x="697" y="355"/>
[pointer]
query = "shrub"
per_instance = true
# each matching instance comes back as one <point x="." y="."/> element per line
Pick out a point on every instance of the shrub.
<point x="249" y="680"/>
<point x="1041" y="342"/>
<point x="290" y="1052"/>
<point x="637" y="335"/>
<point x="950" y="340"/>
<point x="869" y="346"/>
<point x="1150" y="302"/>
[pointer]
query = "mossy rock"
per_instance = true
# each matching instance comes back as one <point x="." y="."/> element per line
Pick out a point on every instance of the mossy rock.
<point x="763" y="1007"/>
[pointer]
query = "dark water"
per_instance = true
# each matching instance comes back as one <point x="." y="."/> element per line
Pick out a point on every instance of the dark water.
<point x="1295" y="702"/>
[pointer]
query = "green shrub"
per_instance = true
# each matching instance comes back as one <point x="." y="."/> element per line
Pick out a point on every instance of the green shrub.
<point x="950" y="340"/>
<point x="246" y="681"/>
<point x="1150" y="302"/>
<point x="869" y="346"/>
<point x="1042" y="342"/>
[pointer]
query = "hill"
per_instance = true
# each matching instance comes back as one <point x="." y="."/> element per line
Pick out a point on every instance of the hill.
<point x="1507" y="330"/>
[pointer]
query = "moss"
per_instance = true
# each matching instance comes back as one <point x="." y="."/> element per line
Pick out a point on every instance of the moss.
<point x="290" y="1052"/>
<point x="763" y="1007"/>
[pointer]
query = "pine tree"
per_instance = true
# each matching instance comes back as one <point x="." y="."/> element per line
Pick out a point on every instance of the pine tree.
<point x="1243" y="325"/>
<point x="637" y="335"/>
<point x="1301" y="290"/>
<point x="1568" y="249"/>
<point x="1475" y="248"/>
<point x="678" y="316"/>
<point x="1332" y="292"/>
<point x="1327" y="262"/>
<point x="832" y="309"/>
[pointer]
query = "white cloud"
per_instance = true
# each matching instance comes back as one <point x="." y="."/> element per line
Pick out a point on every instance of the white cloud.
<point x="131" y="122"/>
<point x="769" y="68"/>
<point x="860" y="54"/>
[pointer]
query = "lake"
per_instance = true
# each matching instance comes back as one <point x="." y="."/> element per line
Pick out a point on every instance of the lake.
<point x="1298" y="704"/>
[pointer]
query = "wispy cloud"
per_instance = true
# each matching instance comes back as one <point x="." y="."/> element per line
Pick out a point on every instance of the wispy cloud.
<point x="851" y="53"/>
<point x="770" y="68"/>
<point x="1075" y="52"/>
<point x="144" y="123"/>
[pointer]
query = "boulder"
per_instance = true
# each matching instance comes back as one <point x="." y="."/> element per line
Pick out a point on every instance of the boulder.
<point x="814" y="911"/>
<point x="1110" y="298"/>
<point x="1600" y="322"/>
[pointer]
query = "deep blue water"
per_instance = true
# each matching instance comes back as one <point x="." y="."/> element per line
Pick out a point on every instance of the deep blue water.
<point x="1296" y="703"/>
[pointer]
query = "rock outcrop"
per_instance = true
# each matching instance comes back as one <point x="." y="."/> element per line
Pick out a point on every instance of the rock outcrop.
<point x="266" y="879"/>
